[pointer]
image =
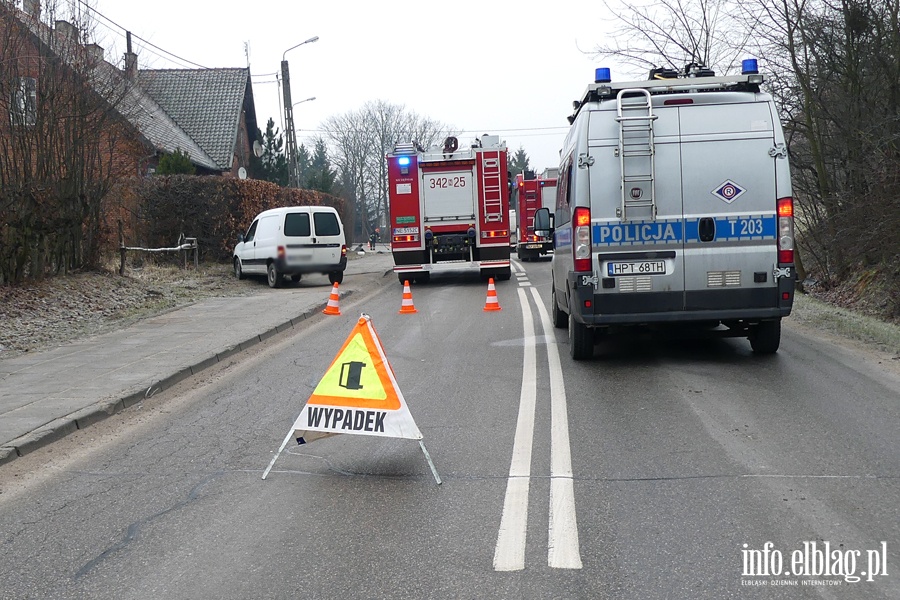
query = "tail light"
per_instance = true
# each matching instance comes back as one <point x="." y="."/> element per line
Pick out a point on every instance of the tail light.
<point x="281" y="252"/>
<point x="785" y="230"/>
<point x="581" y="239"/>
<point x="343" y="250"/>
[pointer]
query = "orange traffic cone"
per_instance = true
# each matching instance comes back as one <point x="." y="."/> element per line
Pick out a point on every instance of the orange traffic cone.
<point x="407" y="305"/>
<point x="491" y="303"/>
<point x="333" y="308"/>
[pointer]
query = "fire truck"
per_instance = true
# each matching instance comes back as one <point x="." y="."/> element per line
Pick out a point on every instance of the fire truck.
<point x="530" y="193"/>
<point x="449" y="209"/>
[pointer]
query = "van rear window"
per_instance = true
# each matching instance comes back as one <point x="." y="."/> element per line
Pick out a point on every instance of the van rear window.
<point x="326" y="223"/>
<point x="297" y="225"/>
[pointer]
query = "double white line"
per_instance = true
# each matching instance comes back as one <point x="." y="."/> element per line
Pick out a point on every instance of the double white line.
<point x="562" y="548"/>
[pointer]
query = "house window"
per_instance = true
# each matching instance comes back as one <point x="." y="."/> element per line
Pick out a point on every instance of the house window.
<point x="23" y="109"/>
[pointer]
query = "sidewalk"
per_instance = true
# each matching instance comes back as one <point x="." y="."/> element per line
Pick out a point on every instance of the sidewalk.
<point x="44" y="396"/>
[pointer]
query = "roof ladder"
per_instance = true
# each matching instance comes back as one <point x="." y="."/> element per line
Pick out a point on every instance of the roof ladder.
<point x="491" y="186"/>
<point x="636" y="154"/>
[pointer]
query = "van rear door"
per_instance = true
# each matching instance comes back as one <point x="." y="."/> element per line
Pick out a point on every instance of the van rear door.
<point x="729" y="202"/>
<point x="638" y="252"/>
<point x="328" y="238"/>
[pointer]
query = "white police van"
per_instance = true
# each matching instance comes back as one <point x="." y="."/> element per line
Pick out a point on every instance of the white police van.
<point x="673" y="206"/>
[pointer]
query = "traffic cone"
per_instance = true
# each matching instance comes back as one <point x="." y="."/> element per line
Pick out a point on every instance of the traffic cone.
<point x="333" y="308"/>
<point x="491" y="303"/>
<point x="407" y="305"/>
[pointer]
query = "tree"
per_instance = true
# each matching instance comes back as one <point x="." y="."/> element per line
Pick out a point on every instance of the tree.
<point x="272" y="164"/>
<point x="319" y="175"/>
<point x="360" y="140"/>
<point x="519" y="163"/>
<point x="177" y="163"/>
<point x="61" y="130"/>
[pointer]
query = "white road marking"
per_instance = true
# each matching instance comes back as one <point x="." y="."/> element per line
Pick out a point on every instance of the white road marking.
<point x="509" y="553"/>
<point x="563" y="547"/>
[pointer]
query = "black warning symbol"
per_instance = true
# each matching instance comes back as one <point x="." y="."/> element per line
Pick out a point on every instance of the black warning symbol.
<point x="351" y="372"/>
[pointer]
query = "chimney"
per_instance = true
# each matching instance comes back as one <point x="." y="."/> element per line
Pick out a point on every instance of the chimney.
<point x="32" y="8"/>
<point x="66" y="32"/>
<point x="130" y="59"/>
<point x="94" y="52"/>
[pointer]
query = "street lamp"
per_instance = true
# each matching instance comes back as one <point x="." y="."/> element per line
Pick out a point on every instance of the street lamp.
<point x="293" y="175"/>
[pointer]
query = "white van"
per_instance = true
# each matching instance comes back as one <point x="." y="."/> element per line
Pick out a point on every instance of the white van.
<point x="674" y="205"/>
<point x="293" y="241"/>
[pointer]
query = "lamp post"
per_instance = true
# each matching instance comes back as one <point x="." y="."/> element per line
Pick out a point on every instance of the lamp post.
<point x="293" y="175"/>
<point x="294" y="167"/>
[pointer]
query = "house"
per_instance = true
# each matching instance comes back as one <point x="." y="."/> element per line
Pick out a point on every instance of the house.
<point x="207" y="113"/>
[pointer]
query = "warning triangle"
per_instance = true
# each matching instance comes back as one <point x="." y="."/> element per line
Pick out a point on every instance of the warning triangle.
<point x="358" y="394"/>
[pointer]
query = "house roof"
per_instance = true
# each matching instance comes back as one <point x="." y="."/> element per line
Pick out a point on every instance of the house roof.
<point x="207" y="104"/>
<point x="139" y="109"/>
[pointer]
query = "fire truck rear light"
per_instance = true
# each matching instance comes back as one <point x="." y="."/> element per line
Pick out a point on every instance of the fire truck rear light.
<point x="406" y="238"/>
<point x="494" y="234"/>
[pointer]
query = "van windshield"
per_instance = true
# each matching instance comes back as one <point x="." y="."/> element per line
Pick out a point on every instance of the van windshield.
<point x="326" y="223"/>
<point x="297" y="225"/>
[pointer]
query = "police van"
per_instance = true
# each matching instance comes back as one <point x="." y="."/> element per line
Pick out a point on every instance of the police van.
<point x="673" y="206"/>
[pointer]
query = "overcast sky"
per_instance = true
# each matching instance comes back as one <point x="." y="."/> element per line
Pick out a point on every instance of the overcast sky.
<point x="484" y="66"/>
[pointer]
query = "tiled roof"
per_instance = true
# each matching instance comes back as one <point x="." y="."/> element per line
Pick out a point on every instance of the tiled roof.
<point x="133" y="103"/>
<point x="206" y="103"/>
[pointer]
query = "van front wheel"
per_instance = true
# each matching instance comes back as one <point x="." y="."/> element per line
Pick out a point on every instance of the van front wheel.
<point x="238" y="271"/>
<point x="273" y="276"/>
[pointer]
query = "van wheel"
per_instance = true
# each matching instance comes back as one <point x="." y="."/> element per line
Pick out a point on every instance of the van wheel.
<point x="336" y="277"/>
<point x="238" y="271"/>
<point x="296" y="277"/>
<point x="560" y="318"/>
<point x="766" y="337"/>
<point x="273" y="276"/>
<point x="581" y="340"/>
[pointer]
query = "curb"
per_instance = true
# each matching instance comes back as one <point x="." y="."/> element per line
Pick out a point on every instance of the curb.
<point x="101" y="410"/>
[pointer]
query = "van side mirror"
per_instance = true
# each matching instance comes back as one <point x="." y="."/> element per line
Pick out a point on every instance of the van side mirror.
<point x="240" y="238"/>
<point x="543" y="222"/>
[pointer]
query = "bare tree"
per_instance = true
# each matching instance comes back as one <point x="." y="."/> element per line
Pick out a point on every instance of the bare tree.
<point x="59" y="131"/>
<point x="360" y="141"/>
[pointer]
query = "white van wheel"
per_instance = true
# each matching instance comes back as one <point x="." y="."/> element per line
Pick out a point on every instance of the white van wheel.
<point x="273" y="276"/>
<point x="238" y="271"/>
<point x="765" y="338"/>
<point x="336" y="277"/>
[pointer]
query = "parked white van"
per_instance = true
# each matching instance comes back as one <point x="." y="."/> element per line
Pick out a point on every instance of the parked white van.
<point x="293" y="241"/>
<point x="674" y="205"/>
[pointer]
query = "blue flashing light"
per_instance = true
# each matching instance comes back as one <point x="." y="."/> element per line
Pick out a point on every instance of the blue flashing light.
<point x="602" y="75"/>
<point x="749" y="66"/>
<point x="403" y="161"/>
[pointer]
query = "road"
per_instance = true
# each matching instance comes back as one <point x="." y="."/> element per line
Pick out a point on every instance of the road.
<point x="659" y="469"/>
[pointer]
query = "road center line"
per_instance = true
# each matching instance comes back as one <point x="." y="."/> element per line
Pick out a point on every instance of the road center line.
<point x="509" y="554"/>
<point x="563" y="548"/>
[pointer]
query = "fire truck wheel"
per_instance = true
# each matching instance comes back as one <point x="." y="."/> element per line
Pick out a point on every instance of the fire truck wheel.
<point x="504" y="274"/>
<point x="766" y="337"/>
<point x="423" y="278"/>
<point x="273" y="276"/>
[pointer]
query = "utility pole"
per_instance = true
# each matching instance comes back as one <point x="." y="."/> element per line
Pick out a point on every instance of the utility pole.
<point x="291" y="136"/>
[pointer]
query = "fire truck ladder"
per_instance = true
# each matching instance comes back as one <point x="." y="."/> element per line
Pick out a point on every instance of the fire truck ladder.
<point x="636" y="152"/>
<point x="491" y="186"/>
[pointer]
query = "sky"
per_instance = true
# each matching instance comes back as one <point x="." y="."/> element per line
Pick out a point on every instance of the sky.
<point x="504" y="68"/>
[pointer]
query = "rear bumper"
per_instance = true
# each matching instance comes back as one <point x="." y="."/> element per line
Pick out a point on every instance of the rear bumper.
<point x="302" y="269"/>
<point x="744" y="304"/>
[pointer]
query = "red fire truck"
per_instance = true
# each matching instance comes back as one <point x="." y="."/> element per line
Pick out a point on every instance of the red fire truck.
<point x="529" y="194"/>
<point x="449" y="209"/>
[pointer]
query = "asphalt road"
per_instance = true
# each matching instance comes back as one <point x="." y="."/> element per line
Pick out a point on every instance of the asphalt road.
<point x="658" y="469"/>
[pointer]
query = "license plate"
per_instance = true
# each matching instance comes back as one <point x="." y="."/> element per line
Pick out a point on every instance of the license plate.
<point x="644" y="267"/>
